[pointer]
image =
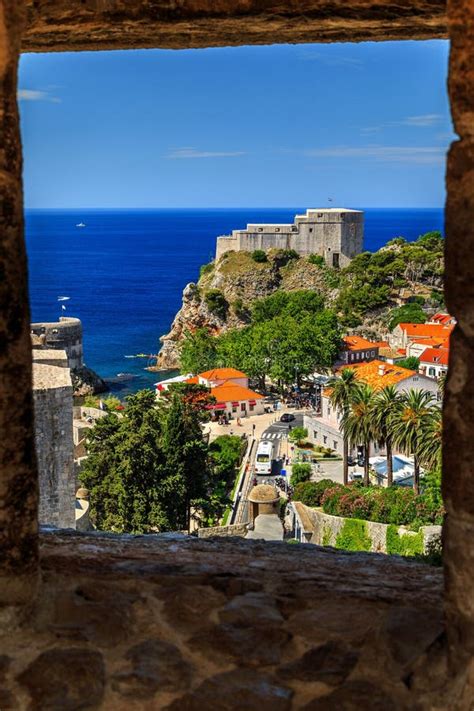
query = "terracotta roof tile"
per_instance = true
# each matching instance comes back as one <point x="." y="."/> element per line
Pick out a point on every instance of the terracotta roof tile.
<point x="355" y="343"/>
<point x="222" y="374"/>
<point x="229" y="391"/>
<point x="369" y="373"/>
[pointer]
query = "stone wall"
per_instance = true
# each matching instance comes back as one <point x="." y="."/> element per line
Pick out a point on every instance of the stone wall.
<point x="52" y="390"/>
<point x="67" y="25"/>
<point x="235" y="529"/>
<point x="322" y="529"/>
<point x="65" y="335"/>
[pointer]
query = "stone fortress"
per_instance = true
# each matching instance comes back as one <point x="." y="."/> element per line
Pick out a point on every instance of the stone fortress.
<point x="64" y="335"/>
<point x="337" y="234"/>
<point x="57" y="353"/>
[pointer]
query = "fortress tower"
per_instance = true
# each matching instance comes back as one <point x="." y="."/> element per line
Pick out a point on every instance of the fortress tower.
<point x="334" y="233"/>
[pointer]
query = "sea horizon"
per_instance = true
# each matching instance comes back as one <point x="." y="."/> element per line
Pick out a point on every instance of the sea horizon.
<point x="126" y="270"/>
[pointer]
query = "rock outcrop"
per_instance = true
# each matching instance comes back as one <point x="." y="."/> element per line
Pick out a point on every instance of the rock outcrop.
<point x="86" y="382"/>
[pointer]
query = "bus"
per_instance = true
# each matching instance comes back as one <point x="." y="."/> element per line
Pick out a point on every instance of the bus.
<point x="264" y="458"/>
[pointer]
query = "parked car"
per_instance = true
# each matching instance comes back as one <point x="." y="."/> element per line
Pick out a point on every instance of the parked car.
<point x="356" y="476"/>
<point x="351" y="461"/>
<point x="287" y="417"/>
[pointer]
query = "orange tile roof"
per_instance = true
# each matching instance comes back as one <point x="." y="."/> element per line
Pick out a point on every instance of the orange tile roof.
<point x="425" y="330"/>
<point x="222" y="374"/>
<point x="229" y="392"/>
<point x="435" y="342"/>
<point x="438" y="356"/>
<point x="355" y="343"/>
<point x="381" y="344"/>
<point x="442" y="318"/>
<point x="192" y="381"/>
<point x="369" y="373"/>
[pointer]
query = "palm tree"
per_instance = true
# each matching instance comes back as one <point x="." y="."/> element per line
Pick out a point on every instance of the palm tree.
<point x="386" y="409"/>
<point x="341" y="391"/>
<point x="409" y="426"/>
<point x="358" y="422"/>
<point x="431" y="438"/>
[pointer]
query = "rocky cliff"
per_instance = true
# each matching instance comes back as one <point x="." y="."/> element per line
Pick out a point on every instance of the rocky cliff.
<point x="224" y="294"/>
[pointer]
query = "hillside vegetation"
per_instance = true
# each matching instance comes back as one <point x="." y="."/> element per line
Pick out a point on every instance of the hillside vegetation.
<point x="403" y="281"/>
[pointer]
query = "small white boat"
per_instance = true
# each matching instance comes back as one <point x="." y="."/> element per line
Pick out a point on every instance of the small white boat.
<point x="81" y="224"/>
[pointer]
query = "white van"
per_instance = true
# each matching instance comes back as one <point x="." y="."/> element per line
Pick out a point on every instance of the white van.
<point x="264" y="458"/>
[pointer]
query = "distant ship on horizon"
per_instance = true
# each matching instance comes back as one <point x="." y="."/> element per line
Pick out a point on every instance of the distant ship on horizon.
<point x="81" y="224"/>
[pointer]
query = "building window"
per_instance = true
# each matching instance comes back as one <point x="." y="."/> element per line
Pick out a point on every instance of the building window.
<point x="243" y="407"/>
<point x="251" y="408"/>
<point x="315" y="434"/>
<point x="260" y="229"/>
<point x="277" y="229"/>
<point x="294" y="229"/>
<point x="325" y="439"/>
<point x="334" y="445"/>
<point x="432" y="371"/>
<point x="320" y="214"/>
<point x="310" y="229"/>
<point x="335" y="260"/>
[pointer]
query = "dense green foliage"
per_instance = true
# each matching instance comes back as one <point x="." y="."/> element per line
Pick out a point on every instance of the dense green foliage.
<point x="310" y="492"/>
<point x="408" y="544"/>
<point x="354" y="536"/>
<point x="300" y="472"/>
<point x="367" y="282"/>
<point x="259" y="255"/>
<point x="217" y="303"/>
<point x="412" y="363"/>
<point x="316" y="259"/>
<point x="147" y="470"/>
<point x="198" y="352"/>
<point x="298" y="434"/>
<point x="206" y="269"/>
<point x="290" y="335"/>
<point x="408" y="313"/>
<point x="398" y="505"/>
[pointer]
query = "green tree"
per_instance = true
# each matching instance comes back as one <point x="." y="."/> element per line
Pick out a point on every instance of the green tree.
<point x="432" y="439"/>
<point x="186" y="460"/>
<point x="358" y="422"/>
<point x="386" y="409"/>
<point x="198" y="352"/>
<point x="300" y="471"/>
<point x="125" y="468"/>
<point x="409" y="313"/>
<point x="298" y="434"/>
<point x="217" y="303"/>
<point x="341" y="391"/>
<point x="410" y="426"/>
<point x="412" y="363"/>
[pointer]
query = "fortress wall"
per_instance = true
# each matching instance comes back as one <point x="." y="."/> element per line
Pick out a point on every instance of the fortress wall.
<point x="53" y="404"/>
<point x="65" y="334"/>
<point x="225" y="244"/>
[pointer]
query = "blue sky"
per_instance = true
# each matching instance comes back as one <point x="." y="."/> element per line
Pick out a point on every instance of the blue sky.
<point x="367" y="125"/>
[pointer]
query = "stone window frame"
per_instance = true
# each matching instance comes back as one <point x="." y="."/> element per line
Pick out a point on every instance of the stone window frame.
<point x="230" y="25"/>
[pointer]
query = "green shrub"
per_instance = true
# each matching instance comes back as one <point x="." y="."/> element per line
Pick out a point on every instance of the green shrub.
<point x="310" y="492"/>
<point x="259" y="255"/>
<point x="283" y="256"/>
<point x="327" y="536"/>
<point x="409" y="313"/>
<point x="412" y="363"/>
<point x="292" y="541"/>
<point x="206" y="269"/>
<point x="298" y="434"/>
<point x="300" y="472"/>
<point x="239" y="308"/>
<point x="407" y="544"/>
<point x="91" y="401"/>
<point x="316" y="259"/>
<point x="354" y="536"/>
<point x="216" y="303"/>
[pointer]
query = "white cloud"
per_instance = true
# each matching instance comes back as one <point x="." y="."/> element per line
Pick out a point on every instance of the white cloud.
<point x="392" y="154"/>
<point x="422" y="121"/>
<point x="37" y="95"/>
<point x="184" y="153"/>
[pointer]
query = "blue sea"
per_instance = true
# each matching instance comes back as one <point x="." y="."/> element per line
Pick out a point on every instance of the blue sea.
<point x="126" y="270"/>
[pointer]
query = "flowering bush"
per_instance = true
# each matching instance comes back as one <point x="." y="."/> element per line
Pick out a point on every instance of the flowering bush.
<point x="310" y="492"/>
<point x="393" y="505"/>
